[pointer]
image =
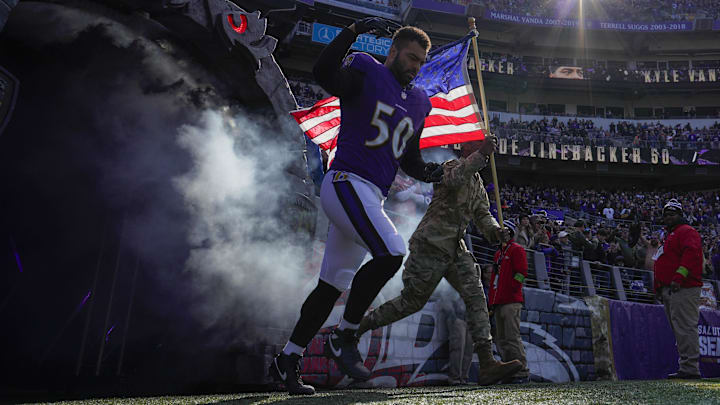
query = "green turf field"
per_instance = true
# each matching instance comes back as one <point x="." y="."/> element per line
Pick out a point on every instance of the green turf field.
<point x="629" y="392"/>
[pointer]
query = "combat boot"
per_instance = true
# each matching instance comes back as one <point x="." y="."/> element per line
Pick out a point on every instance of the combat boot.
<point x="341" y="346"/>
<point x="491" y="371"/>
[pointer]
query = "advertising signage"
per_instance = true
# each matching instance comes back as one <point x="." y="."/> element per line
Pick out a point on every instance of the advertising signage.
<point x="323" y="34"/>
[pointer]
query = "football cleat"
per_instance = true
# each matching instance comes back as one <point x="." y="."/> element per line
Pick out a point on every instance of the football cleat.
<point x="341" y="346"/>
<point x="286" y="369"/>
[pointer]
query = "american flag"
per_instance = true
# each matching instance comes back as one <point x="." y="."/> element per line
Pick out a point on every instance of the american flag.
<point x="454" y="117"/>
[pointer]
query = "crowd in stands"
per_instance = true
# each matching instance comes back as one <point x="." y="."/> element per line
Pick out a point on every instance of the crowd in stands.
<point x="613" y="227"/>
<point x="607" y="228"/>
<point x="610" y="10"/>
<point x="306" y="94"/>
<point x="623" y="133"/>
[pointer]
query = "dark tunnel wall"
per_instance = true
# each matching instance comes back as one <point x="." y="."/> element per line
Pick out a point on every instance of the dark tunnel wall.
<point x="93" y="224"/>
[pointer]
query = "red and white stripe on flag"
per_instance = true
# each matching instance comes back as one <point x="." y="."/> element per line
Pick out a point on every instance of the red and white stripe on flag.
<point x="453" y="119"/>
<point x="321" y="123"/>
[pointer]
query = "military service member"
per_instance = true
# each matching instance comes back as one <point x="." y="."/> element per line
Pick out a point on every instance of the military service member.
<point x="437" y="250"/>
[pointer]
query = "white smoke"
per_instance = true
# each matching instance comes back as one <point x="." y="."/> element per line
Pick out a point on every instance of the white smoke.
<point x="219" y="171"/>
<point x="233" y="192"/>
<point x="222" y="201"/>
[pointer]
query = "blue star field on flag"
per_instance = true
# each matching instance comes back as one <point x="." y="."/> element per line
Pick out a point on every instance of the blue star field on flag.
<point x="444" y="69"/>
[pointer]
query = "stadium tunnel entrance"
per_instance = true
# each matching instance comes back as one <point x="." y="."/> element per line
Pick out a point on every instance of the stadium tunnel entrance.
<point x="108" y="161"/>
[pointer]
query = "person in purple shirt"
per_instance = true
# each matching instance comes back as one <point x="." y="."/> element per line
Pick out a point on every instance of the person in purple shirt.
<point x="715" y="260"/>
<point x="382" y="118"/>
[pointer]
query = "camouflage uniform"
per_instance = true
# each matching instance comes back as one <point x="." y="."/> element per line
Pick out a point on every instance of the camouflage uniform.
<point x="437" y="250"/>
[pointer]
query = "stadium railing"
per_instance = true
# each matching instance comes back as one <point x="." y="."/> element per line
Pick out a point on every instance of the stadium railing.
<point x="638" y="284"/>
<point x="569" y="274"/>
<point x="565" y="273"/>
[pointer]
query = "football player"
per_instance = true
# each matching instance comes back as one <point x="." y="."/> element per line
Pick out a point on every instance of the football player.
<point x="382" y="118"/>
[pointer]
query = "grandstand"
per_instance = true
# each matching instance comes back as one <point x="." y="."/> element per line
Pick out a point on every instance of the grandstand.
<point x="604" y="110"/>
<point x="644" y="86"/>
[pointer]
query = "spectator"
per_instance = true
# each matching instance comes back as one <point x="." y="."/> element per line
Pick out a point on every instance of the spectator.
<point x="602" y="247"/>
<point x="581" y="242"/>
<point x="525" y="232"/>
<point x="609" y="212"/>
<point x="715" y="260"/>
<point x="570" y="260"/>
<point x="552" y="262"/>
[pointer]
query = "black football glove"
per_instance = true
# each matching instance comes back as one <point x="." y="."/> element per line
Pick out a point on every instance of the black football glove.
<point x="376" y="26"/>
<point x="433" y="172"/>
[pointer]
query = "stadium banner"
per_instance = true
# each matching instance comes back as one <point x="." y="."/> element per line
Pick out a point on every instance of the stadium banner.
<point x="606" y="154"/>
<point x="567" y="72"/>
<point x="324" y="34"/>
<point x="602" y="123"/>
<point x="680" y="76"/>
<point x="589" y="24"/>
<point x="647" y="350"/>
<point x="492" y="65"/>
<point x="709" y="336"/>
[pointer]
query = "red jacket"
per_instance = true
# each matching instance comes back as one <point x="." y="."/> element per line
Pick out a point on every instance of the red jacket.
<point x="681" y="260"/>
<point x="506" y="285"/>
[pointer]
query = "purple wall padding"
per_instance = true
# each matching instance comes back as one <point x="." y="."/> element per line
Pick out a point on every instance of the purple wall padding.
<point x="709" y="331"/>
<point x="644" y="345"/>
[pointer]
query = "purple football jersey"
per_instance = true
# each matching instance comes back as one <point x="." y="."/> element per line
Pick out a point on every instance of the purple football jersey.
<point x="376" y="125"/>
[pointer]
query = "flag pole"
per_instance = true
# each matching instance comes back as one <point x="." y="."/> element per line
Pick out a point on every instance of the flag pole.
<point x="486" y="123"/>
